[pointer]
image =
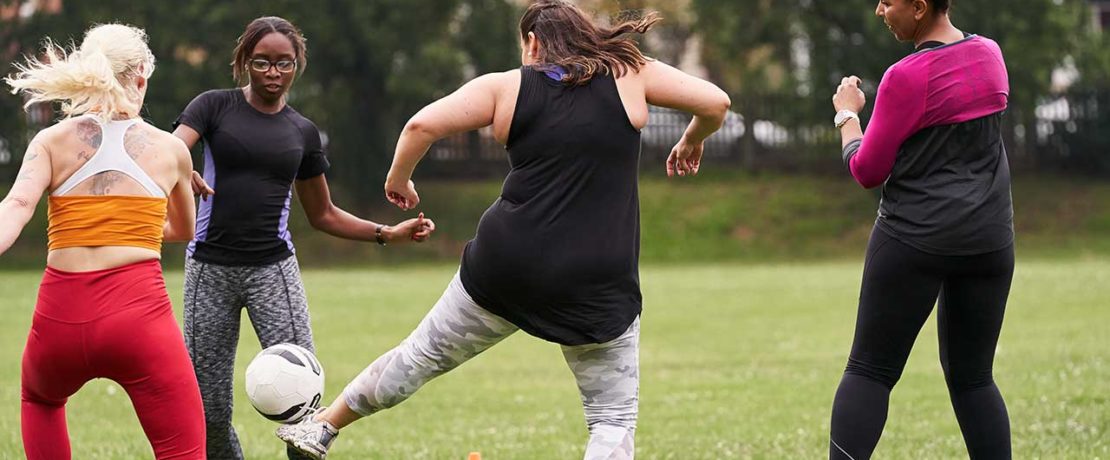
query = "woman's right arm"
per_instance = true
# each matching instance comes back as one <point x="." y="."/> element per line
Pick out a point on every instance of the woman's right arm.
<point x="666" y="86"/>
<point x="470" y="107"/>
<point x="19" y="206"/>
<point x="190" y="136"/>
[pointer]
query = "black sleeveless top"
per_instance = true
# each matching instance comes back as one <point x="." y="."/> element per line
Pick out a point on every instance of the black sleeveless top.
<point x="558" y="253"/>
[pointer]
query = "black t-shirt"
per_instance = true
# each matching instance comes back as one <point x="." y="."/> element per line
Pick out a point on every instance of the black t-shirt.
<point x="557" y="254"/>
<point x="250" y="159"/>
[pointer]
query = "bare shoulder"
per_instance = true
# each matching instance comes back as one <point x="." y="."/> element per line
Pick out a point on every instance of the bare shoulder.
<point x="166" y="141"/>
<point x="498" y="82"/>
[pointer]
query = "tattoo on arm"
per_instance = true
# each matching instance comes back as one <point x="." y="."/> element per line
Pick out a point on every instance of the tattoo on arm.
<point x="25" y="175"/>
<point x="17" y="200"/>
<point x="31" y="155"/>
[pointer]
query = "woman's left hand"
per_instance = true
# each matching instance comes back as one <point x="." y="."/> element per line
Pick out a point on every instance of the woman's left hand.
<point x="848" y="95"/>
<point x="418" y="230"/>
<point x="685" y="158"/>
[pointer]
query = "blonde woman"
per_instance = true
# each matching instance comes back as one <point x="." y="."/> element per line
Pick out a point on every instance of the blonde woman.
<point x="118" y="187"/>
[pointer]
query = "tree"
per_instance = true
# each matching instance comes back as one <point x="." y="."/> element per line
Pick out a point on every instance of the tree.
<point x="371" y="64"/>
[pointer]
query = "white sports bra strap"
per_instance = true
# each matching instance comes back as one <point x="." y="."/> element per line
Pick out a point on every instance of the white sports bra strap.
<point x="111" y="156"/>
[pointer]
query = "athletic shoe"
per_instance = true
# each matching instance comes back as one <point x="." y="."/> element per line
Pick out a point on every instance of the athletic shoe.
<point x="310" y="437"/>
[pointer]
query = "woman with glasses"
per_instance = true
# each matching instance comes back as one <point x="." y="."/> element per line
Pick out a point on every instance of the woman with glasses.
<point x="257" y="149"/>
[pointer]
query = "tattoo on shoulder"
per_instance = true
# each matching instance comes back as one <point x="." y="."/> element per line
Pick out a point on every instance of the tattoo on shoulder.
<point x="89" y="133"/>
<point x="31" y="155"/>
<point x="137" y="141"/>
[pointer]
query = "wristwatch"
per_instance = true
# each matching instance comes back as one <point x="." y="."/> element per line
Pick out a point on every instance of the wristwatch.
<point x="378" y="235"/>
<point x="843" y="116"/>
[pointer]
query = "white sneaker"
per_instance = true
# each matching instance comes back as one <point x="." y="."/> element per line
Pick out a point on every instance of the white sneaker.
<point x="310" y="437"/>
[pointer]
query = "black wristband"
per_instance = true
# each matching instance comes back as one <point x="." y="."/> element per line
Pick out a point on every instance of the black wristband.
<point x="378" y="235"/>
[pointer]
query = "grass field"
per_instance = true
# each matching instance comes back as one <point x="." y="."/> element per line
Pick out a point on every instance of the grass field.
<point x="737" y="361"/>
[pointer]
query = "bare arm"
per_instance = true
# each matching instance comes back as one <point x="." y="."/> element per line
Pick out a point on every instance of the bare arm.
<point x="470" y="107"/>
<point x="19" y="206"/>
<point x="190" y="136"/>
<point x="327" y="217"/>
<point x="181" y="213"/>
<point x="667" y="86"/>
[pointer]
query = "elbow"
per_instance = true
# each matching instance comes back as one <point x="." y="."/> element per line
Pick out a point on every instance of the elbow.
<point x="718" y="109"/>
<point x="869" y="181"/>
<point x="724" y="103"/>
<point x="417" y="127"/>
<point x="321" y="221"/>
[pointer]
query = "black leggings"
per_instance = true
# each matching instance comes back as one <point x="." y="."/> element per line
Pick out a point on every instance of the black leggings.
<point x="900" y="286"/>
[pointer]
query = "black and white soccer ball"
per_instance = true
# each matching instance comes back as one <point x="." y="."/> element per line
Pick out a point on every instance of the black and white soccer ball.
<point x="285" y="382"/>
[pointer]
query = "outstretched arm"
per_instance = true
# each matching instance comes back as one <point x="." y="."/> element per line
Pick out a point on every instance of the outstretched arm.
<point x="19" y="206"/>
<point x="470" y="107"/>
<point x="327" y="217"/>
<point x="666" y="86"/>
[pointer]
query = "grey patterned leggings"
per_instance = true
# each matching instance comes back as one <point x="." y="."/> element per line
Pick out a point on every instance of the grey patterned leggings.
<point x="215" y="296"/>
<point x="457" y="329"/>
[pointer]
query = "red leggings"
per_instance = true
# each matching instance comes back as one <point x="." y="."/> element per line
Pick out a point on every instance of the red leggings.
<point x="116" y="324"/>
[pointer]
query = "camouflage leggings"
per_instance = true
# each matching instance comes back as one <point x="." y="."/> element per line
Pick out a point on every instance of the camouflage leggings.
<point x="457" y="329"/>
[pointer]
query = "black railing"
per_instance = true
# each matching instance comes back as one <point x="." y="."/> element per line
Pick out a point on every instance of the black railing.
<point x="1068" y="133"/>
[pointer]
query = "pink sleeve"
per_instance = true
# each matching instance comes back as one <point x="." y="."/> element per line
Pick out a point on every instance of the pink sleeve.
<point x="899" y="109"/>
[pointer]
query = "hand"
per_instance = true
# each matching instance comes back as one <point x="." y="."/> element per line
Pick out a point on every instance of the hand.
<point x="401" y="194"/>
<point x="418" y="230"/>
<point x="200" y="187"/>
<point x="848" y="95"/>
<point x="685" y="158"/>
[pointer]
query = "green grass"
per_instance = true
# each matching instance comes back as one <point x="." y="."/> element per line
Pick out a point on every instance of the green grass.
<point x="717" y="216"/>
<point x="737" y="361"/>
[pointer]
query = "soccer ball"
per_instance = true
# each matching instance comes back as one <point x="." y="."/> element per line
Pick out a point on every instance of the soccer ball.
<point x="285" y="382"/>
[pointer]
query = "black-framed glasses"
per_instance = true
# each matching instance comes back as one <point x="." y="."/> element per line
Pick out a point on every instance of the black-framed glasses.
<point x="262" y="65"/>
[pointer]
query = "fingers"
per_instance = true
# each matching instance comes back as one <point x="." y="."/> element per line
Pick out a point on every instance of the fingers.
<point x="671" y="164"/>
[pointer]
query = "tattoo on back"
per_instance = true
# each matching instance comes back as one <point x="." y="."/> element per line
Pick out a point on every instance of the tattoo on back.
<point x="89" y="133"/>
<point x="102" y="183"/>
<point x="136" y="141"/>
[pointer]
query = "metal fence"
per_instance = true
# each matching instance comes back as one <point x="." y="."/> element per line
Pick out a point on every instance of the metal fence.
<point x="1069" y="133"/>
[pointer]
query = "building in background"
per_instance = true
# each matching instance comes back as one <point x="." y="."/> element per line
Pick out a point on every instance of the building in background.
<point x="1100" y="13"/>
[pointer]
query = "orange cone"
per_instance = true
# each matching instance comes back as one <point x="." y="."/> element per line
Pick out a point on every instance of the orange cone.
<point x="474" y="456"/>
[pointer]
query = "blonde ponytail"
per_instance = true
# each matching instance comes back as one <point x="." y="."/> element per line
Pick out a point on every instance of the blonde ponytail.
<point x="99" y="75"/>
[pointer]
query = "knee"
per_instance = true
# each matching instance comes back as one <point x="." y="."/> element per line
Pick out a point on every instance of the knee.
<point x="960" y="380"/>
<point x="29" y="396"/>
<point x="885" y="376"/>
<point x="621" y="414"/>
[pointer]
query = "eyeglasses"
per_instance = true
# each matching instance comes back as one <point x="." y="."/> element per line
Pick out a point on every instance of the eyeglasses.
<point x="262" y="65"/>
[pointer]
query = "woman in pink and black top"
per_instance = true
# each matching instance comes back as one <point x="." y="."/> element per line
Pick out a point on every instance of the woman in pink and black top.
<point x="944" y="231"/>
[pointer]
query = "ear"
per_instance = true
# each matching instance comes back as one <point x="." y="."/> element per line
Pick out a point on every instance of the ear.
<point x="533" y="45"/>
<point x="920" y="9"/>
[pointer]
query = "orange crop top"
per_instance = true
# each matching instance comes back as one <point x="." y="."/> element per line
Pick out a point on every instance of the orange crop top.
<point x="116" y="220"/>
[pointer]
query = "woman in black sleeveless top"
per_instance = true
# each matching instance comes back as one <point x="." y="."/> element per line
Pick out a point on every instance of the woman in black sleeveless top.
<point x="556" y="255"/>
